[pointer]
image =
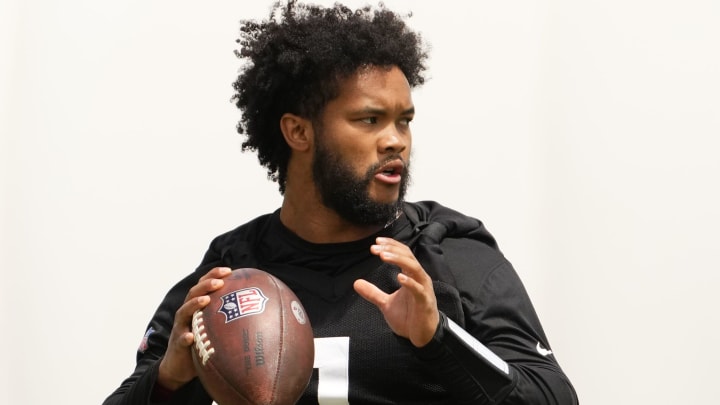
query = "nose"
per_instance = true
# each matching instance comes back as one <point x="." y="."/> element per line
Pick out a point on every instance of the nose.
<point x="393" y="139"/>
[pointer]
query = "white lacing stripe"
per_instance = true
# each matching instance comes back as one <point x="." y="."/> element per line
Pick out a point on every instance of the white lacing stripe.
<point x="202" y="343"/>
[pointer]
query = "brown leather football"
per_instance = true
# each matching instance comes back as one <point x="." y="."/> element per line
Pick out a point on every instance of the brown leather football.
<point x="253" y="342"/>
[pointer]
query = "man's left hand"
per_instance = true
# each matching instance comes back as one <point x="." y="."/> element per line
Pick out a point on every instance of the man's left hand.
<point x="411" y="311"/>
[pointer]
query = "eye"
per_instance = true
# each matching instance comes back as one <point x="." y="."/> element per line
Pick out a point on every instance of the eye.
<point x="406" y="121"/>
<point x="369" y="120"/>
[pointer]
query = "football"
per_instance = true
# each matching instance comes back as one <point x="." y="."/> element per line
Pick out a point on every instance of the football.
<point x="253" y="342"/>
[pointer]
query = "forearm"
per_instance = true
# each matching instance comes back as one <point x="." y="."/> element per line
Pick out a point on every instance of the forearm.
<point x="141" y="386"/>
<point x="136" y="389"/>
<point x="475" y="375"/>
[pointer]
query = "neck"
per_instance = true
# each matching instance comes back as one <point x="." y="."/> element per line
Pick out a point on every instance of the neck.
<point x="306" y="216"/>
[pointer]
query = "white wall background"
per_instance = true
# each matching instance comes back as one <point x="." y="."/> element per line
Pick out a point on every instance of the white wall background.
<point x="584" y="133"/>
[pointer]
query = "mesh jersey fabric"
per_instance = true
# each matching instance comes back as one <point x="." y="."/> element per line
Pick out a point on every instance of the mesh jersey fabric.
<point x="474" y="284"/>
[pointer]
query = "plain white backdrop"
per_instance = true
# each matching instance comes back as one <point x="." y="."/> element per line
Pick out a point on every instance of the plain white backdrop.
<point x="583" y="133"/>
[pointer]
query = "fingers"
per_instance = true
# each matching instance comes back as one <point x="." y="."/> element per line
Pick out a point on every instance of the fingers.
<point x="413" y="277"/>
<point x="416" y="288"/>
<point x="213" y="276"/>
<point x="197" y="298"/>
<point x="217" y="272"/>
<point x="176" y="366"/>
<point x="410" y="311"/>
<point x="391" y="251"/>
<point x="208" y="283"/>
<point x="184" y="314"/>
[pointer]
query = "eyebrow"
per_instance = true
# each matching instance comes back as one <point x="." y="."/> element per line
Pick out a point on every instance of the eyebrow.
<point x="380" y="111"/>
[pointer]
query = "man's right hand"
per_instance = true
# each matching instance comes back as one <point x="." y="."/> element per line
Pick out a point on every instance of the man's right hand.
<point x="176" y="367"/>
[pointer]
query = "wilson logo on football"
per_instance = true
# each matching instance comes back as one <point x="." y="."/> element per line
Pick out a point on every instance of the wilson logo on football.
<point x="239" y="303"/>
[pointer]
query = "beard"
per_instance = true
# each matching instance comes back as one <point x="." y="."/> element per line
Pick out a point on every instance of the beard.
<point x="349" y="195"/>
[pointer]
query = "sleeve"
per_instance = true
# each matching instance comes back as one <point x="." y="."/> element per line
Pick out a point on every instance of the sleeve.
<point x="495" y="351"/>
<point x="138" y="388"/>
<point x="469" y="369"/>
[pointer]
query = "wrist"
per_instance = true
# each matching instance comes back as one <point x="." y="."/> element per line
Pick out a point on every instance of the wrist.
<point x="431" y="347"/>
<point x="165" y="379"/>
<point x="160" y="393"/>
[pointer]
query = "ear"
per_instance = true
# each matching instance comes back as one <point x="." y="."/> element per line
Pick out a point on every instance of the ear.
<point x="297" y="131"/>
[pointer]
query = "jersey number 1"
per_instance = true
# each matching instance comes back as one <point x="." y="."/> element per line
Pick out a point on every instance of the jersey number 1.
<point x="332" y="356"/>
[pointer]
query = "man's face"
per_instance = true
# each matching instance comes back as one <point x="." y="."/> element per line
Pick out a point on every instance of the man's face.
<point x="362" y="150"/>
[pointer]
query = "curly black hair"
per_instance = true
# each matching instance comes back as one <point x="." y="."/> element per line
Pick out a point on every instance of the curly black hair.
<point x="295" y="60"/>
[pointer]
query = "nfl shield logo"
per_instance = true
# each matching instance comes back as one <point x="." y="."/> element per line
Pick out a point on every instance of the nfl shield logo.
<point x="239" y="303"/>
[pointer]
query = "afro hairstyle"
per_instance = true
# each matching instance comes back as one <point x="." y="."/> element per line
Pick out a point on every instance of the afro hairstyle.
<point x="294" y="62"/>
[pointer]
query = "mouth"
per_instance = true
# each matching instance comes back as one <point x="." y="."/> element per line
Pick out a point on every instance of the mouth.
<point x="391" y="172"/>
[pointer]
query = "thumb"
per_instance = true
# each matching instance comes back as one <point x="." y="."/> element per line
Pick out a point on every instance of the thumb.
<point x="370" y="292"/>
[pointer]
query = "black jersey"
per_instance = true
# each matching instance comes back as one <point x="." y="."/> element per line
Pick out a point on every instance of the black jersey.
<point x="489" y="348"/>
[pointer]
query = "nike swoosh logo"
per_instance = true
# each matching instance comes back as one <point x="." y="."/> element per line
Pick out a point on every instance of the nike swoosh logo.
<point x="543" y="351"/>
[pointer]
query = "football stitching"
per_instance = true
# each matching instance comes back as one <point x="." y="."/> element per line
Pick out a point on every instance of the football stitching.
<point x="202" y="343"/>
<point x="282" y="340"/>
